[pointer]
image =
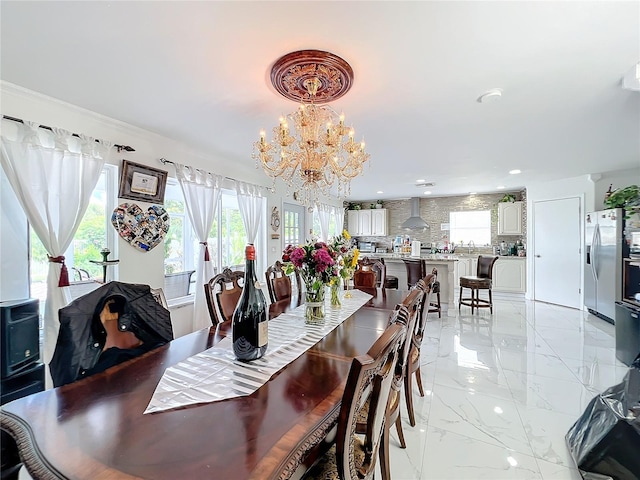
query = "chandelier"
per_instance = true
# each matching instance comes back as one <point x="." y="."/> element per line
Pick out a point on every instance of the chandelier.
<point x="312" y="148"/>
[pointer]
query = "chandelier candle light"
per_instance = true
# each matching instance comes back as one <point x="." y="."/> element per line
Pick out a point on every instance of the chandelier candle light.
<point x="320" y="150"/>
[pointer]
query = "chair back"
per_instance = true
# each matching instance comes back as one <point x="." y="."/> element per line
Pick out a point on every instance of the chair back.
<point x="158" y="296"/>
<point x="370" y="377"/>
<point x="407" y="313"/>
<point x="378" y="266"/>
<point x="280" y="285"/>
<point x="415" y="270"/>
<point x="365" y="277"/>
<point x="427" y="285"/>
<point x="485" y="267"/>
<point x="222" y="293"/>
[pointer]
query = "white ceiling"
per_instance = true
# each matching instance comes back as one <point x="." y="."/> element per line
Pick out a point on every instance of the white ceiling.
<point x="198" y="72"/>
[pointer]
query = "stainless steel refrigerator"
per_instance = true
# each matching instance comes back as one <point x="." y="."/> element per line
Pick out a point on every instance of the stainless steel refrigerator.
<point x="603" y="269"/>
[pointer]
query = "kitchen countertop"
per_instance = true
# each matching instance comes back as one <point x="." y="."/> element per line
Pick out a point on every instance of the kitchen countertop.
<point x="438" y="257"/>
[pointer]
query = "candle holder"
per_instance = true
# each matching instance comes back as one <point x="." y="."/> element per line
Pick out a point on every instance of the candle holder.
<point x="105" y="262"/>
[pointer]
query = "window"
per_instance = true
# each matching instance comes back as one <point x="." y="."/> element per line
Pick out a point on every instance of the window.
<point x="94" y="233"/>
<point x="333" y="231"/>
<point x="470" y="226"/>
<point x="226" y="240"/>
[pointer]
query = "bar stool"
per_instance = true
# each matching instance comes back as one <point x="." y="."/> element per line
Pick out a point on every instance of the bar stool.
<point x="482" y="281"/>
<point x="415" y="270"/>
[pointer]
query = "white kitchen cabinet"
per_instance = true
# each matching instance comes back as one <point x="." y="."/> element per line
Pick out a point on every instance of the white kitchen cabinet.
<point x="461" y="268"/>
<point x="368" y="223"/>
<point x="510" y="218"/>
<point x="379" y="222"/>
<point x="353" y="222"/>
<point x="509" y="275"/>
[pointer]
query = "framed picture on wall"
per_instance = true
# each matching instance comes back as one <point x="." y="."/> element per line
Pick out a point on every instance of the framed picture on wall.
<point x="141" y="182"/>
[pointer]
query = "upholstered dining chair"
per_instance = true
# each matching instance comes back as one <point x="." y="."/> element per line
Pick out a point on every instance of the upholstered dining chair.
<point x="222" y="293"/>
<point x="481" y="281"/>
<point x="416" y="336"/>
<point x="280" y="285"/>
<point x="353" y="455"/>
<point x="415" y="270"/>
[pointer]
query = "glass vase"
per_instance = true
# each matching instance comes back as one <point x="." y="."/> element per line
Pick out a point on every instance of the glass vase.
<point x="314" y="304"/>
<point x="348" y="283"/>
<point x="336" y="292"/>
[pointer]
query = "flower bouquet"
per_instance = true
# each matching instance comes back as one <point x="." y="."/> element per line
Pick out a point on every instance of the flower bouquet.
<point x="346" y="262"/>
<point x="314" y="261"/>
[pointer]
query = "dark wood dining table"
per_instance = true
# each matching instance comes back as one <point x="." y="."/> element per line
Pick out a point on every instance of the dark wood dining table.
<point x="95" y="428"/>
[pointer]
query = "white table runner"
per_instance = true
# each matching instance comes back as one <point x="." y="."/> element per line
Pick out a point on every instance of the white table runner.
<point x="215" y="374"/>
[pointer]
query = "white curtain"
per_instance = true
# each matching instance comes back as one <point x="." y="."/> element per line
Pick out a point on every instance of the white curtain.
<point x="324" y="215"/>
<point x="251" y="202"/>
<point x="201" y="192"/>
<point x="53" y="176"/>
<point x="339" y="213"/>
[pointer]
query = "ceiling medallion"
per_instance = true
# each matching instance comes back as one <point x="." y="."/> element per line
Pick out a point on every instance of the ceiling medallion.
<point x="291" y="72"/>
<point x="312" y="148"/>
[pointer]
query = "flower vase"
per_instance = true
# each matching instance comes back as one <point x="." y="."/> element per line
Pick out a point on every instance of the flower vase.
<point x="336" y="292"/>
<point x="314" y="304"/>
<point x="348" y="281"/>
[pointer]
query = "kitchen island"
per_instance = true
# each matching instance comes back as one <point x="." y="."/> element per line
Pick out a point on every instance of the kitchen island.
<point x="444" y="264"/>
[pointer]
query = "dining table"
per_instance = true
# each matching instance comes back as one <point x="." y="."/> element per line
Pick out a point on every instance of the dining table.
<point x="96" y="428"/>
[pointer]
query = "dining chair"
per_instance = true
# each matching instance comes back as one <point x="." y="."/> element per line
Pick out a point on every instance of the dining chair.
<point x="279" y="284"/>
<point x="415" y="270"/>
<point x="416" y="335"/>
<point x="378" y="266"/>
<point x="158" y="296"/>
<point x="353" y="455"/>
<point x="435" y="306"/>
<point x="365" y="277"/>
<point x="222" y="293"/>
<point x="481" y="281"/>
<point x="405" y="314"/>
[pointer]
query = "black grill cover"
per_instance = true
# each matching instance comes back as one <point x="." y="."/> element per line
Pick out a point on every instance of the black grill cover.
<point x="80" y="339"/>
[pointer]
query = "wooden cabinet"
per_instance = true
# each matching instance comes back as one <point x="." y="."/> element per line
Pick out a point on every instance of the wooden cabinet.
<point x="509" y="275"/>
<point x="368" y="223"/>
<point x="510" y="218"/>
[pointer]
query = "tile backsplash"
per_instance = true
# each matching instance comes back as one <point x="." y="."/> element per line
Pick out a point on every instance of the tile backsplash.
<point x="435" y="211"/>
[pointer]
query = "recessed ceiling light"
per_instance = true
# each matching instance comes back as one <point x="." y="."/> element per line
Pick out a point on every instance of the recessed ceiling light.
<point x="515" y="172"/>
<point x="428" y="192"/>
<point x="421" y="180"/>
<point x="379" y="191"/>
<point x="500" y="187"/>
<point x="490" y="96"/>
<point x="473" y="193"/>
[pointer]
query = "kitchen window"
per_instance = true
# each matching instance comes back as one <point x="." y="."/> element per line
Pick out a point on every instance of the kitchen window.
<point x="470" y="226"/>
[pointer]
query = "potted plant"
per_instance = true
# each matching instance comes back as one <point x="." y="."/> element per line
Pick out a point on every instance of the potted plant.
<point x="627" y="198"/>
<point x="372" y="206"/>
<point x="508" y="197"/>
<point x="379" y="204"/>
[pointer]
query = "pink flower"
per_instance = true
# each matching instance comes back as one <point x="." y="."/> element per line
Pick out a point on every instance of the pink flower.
<point x="297" y="256"/>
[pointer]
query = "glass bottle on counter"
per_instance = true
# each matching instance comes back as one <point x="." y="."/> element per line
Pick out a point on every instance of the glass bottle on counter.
<point x="250" y="322"/>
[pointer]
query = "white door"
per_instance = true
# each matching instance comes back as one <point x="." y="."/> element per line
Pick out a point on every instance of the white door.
<point x="556" y="256"/>
<point x="293" y="224"/>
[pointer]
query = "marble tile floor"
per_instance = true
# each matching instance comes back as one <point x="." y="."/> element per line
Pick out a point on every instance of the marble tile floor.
<point x="502" y="390"/>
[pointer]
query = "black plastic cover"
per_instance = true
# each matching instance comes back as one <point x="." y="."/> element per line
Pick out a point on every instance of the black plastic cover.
<point x="605" y="441"/>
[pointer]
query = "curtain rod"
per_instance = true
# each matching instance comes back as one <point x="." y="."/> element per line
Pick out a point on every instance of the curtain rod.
<point x="120" y="148"/>
<point x="271" y="189"/>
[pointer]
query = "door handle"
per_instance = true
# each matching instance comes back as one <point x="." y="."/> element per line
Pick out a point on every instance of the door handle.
<point x="537" y="256"/>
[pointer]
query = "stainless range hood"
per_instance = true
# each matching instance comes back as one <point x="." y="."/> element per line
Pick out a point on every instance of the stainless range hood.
<point x="415" y="222"/>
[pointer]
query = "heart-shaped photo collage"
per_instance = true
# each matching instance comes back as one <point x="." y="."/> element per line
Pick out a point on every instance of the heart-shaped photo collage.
<point x="142" y="230"/>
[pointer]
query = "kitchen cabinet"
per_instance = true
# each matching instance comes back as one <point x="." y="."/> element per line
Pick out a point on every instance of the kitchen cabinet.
<point x="379" y="222"/>
<point x="368" y="223"/>
<point x="509" y="275"/>
<point x="510" y="218"/>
